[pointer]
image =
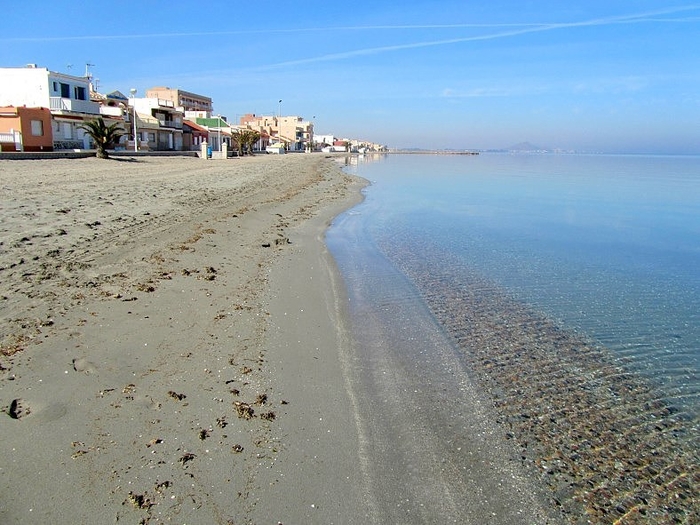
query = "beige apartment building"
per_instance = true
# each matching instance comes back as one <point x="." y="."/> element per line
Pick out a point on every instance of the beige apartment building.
<point x="294" y="132"/>
<point x="183" y="100"/>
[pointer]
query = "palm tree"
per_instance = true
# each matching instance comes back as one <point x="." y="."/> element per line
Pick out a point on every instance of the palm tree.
<point x="249" y="138"/>
<point x="102" y="135"/>
<point x="237" y="141"/>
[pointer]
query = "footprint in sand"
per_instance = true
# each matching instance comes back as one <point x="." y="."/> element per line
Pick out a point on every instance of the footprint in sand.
<point x="83" y="365"/>
<point x="18" y="409"/>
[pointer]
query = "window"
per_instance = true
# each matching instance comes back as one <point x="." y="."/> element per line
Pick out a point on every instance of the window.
<point x="65" y="90"/>
<point x="37" y="128"/>
<point x="79" y="93"/>
<point x="55" y="87"/>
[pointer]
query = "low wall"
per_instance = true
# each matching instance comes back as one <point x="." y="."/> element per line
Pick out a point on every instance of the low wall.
<point x="126" y="153"/>
<point x="38" y="155"/>
<point x="83" y="154"/>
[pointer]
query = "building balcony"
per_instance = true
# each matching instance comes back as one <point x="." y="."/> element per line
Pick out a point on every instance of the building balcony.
<point x="174" y="124"/>
<point x="69" y="105"/>
<point x="111" y="111"/>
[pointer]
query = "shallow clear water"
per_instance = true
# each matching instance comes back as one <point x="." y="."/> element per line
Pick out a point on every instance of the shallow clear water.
<point x="608" y="246"/>
<point x="557" y="293"/>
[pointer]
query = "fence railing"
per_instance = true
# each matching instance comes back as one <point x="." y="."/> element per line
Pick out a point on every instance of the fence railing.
<point x="11" y="137"/>
<point x="74" y="106"/>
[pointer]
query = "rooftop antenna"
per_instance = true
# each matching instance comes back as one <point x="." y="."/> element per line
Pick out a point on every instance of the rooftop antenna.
<point x="87" y="70"/>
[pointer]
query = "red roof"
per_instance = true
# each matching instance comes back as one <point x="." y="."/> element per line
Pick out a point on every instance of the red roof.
<point x="194" y="126"/>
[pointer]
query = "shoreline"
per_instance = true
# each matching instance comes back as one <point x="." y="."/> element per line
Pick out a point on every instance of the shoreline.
<point x="135" y="382"/>
<point x="319" y="475"/>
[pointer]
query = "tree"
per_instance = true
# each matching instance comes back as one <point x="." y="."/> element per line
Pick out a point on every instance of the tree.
<point x="102" y="135"/>
<point x="244" y="140"/>
<point x="237" y="141"/>
<point x="251" y="138"/>
<point x="248" y="139"/>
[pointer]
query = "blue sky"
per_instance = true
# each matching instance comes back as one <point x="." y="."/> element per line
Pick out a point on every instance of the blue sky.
<point x="611" y="76"/>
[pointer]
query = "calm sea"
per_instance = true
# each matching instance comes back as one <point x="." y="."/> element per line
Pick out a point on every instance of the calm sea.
<point x="585" y="267"/>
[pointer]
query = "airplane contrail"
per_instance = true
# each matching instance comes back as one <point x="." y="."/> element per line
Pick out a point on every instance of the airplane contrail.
<point x="623" y="19"/>
<point x="526" y="28"/>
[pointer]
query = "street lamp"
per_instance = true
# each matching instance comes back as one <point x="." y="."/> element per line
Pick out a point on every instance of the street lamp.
<point x="279" y="123"/>
<point x="136" y="138"/>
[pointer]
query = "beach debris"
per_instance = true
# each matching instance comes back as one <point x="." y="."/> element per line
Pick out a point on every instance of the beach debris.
<point x="163" y="485"/>
<point x="237" y="449"/>
<point x="244" y="410"/>
<point x="203" y="433"/>
<point x="209" y="275"/>
<point x="221" y="422"/>
<point x="279" y="241"/>
<point x="16" y="345"/>
<point x="261" y="399"/>
<point x="154" y="441"/>
<point x="175" y="395"/>
<point x="140" y="501"/>
<point x="268" y="416"/>
<point x="187" y="457"/>
<point x="82" y="450"/>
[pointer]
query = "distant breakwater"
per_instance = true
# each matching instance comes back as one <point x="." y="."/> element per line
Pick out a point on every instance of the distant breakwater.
<point x="431" y="152"/>
<point x="601" y="437"/>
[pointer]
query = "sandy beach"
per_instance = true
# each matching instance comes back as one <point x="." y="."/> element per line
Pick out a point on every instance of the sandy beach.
<point x="134" y="382"/>
<point x="176" y="349"/>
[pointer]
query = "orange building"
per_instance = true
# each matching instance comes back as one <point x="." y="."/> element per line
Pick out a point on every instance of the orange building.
<point x="25" y="129"/>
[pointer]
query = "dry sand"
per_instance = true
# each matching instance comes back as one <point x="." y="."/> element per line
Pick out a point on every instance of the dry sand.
<point x="135" y="330"/>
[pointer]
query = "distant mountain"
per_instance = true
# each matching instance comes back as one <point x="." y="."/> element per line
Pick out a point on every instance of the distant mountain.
<point x="526" y="146"/>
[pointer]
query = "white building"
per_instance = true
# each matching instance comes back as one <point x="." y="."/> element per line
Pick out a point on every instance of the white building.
<point x="324" y="139"/>
<point x="67" y="96"/>
<point x="158" y="124"/>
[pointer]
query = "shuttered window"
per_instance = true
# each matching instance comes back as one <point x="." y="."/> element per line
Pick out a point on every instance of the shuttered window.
<point x="37" y="128"/>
